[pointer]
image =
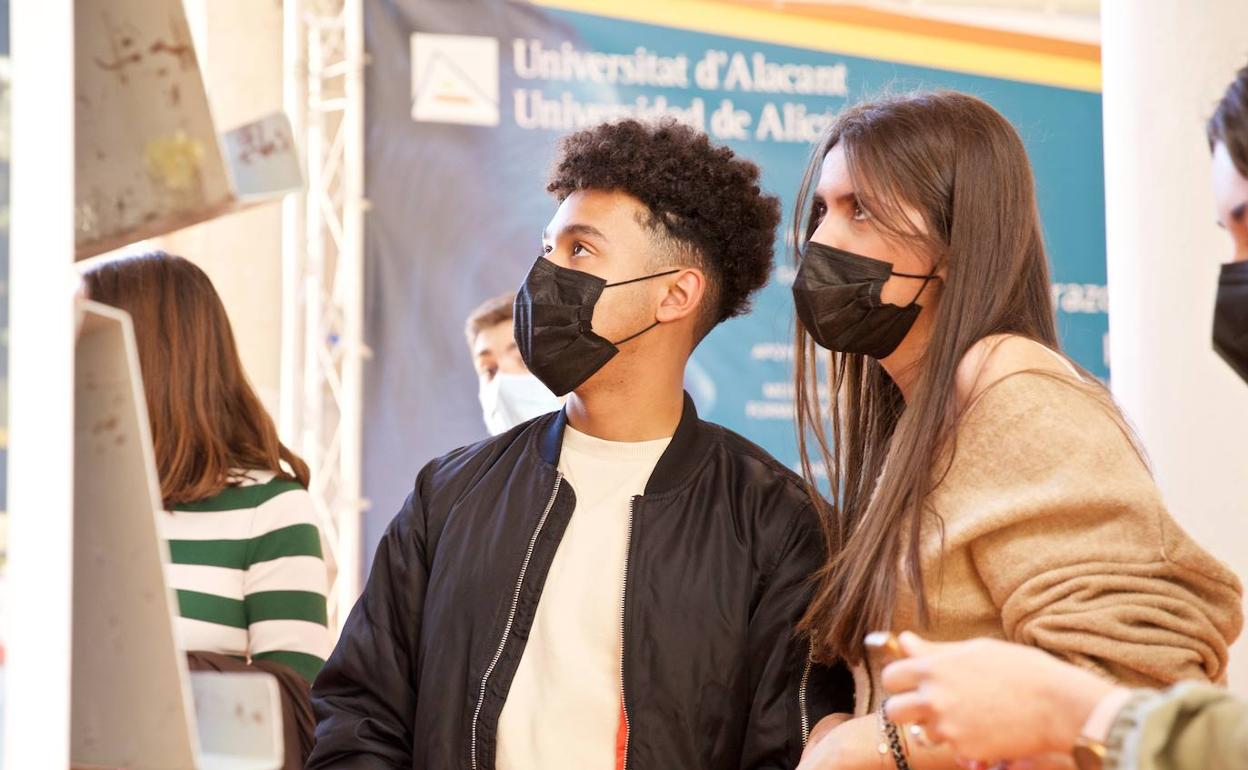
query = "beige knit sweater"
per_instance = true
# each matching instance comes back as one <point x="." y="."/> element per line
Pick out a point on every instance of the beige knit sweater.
<point x="1056" y="536"/>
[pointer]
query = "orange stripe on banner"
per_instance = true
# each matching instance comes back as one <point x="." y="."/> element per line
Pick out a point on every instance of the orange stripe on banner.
<point x="919" y="25"/>
<point x="878" y="35"/>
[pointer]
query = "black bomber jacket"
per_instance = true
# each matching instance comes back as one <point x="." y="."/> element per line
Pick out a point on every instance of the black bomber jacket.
<point x="722" y="546"/>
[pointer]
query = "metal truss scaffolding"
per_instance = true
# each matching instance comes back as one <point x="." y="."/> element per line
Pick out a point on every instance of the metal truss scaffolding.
<point x="322" y="275"/>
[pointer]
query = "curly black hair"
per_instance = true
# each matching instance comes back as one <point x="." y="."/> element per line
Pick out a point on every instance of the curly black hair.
<point x="1229" y="123"/>
<point x="702" y="198"/>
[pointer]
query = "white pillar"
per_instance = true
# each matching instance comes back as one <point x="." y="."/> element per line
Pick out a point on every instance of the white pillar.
<point x="41" y="381"/>
<point x="1166" y="63"/>
<point x="239" y="45"/>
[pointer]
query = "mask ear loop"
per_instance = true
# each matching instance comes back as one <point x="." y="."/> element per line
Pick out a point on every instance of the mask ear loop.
<point x="643" y="278"/>
<point x="926" y="280"/>
<point x="638" y="334"/>
<point x="636" y="280"/>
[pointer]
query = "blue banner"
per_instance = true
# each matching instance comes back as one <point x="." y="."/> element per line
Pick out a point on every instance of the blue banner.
<point x="466" y="101"/>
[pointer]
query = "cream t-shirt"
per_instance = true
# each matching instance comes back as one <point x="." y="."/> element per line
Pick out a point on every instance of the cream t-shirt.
<point x="563" y="709"/>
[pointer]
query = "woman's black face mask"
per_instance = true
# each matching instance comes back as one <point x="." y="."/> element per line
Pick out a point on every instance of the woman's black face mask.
<point x="1230" y="317"/>
<point x="837" y="297"/>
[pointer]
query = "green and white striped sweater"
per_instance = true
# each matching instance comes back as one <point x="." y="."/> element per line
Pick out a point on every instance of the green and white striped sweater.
<point x="249" y="574"/>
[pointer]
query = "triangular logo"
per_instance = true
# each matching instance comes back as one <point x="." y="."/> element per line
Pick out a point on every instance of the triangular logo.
<point x="455" y="79"/>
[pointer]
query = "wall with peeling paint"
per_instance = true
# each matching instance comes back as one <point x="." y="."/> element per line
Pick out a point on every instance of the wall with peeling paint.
<point x="147" y="157"/>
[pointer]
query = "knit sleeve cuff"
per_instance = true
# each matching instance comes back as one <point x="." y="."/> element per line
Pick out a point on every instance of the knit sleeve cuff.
<point x="1122" y="746"/>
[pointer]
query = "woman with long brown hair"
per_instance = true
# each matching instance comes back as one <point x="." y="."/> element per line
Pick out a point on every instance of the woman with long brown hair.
<point x="245" y="547"/>
<point x="983" y="484"/>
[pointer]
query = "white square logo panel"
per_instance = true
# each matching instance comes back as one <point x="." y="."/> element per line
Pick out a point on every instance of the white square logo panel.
<point x="455" y="79"/>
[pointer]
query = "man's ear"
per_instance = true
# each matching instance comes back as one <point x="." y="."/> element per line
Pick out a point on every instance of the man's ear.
<point x="685" y="292"/>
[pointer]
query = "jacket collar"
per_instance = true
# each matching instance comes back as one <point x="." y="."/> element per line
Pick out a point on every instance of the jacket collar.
<point x="683" y="454"/>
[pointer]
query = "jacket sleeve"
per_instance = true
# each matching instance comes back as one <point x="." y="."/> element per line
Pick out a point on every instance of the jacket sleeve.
<point x="365" y="696"/>
<point x="791" y="692"/>
<point x="1190" y="726"/>
<point x="1073" y="542"/>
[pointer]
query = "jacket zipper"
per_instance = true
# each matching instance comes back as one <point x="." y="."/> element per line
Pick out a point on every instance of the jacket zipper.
<point x="628" y="545"/>
<point x="511" y="615"/>
<point x="801" y="697"/>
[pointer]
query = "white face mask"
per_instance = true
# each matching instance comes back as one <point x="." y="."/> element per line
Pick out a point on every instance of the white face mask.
<point x="510" y="399"/>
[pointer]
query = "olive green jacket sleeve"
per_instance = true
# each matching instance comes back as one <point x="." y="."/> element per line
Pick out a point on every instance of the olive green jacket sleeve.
<point x="1188" y="727"/>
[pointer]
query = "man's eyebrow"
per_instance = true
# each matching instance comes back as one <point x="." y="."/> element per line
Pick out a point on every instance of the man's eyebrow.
<point x="576" y="229"/>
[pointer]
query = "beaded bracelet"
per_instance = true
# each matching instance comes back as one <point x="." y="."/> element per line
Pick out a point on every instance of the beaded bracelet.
<point x="892" y="740"/>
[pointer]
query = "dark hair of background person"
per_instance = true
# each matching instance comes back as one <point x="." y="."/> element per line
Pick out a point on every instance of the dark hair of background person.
<point x="1229" y="123"/>
<point x="492" y="312"/>
<point x="706" y="207"/>
<point x="207" y="422"/>
<point x="963" y="167"/>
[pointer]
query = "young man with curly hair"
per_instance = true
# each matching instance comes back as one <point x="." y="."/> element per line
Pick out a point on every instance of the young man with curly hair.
<point x="615" y="584"/>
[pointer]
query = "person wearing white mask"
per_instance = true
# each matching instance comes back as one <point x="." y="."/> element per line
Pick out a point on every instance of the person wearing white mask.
<point x="508" y="393"/>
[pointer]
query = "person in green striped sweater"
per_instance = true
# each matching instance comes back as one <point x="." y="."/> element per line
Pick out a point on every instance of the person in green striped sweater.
<point x="245" y="549"/>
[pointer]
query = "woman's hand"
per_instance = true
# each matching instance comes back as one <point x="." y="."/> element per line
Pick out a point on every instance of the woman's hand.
<point x="991" y="700"/>
<point x="825" y="726"/>
<point x="840" y="742"/>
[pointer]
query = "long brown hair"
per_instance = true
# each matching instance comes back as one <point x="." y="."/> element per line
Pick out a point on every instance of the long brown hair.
<point x="207" y="423"/>
<point x="963" y="167"/>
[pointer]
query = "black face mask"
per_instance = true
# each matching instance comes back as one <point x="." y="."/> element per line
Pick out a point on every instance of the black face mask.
<point x="1230" y="318"/>
<point x="837" y="295"/>
<point x="553" y="325"/>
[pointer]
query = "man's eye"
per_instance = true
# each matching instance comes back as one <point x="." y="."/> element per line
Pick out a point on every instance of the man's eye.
<point x="860" y="214"/>
<point x="818" y="211"/>
<point x="578" y="249"/>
